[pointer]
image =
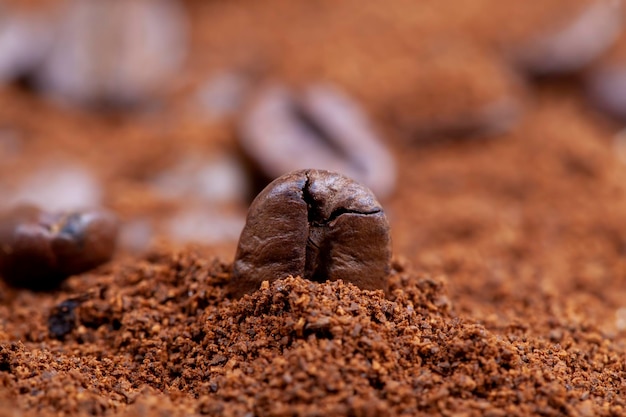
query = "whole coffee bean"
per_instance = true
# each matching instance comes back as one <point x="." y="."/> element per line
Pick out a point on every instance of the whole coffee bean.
<point x="318" y="127"/>
<point x="317" y="224"/>
<point x="39" y="249"/>
<point x="114" y="53"/>
<point x="572" y="46"/>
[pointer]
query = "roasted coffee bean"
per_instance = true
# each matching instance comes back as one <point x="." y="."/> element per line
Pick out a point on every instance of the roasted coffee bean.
<point x="319" y="127"/>
<point x="39" y="249"/>
<point x="317" y="224"/>
<point x="574" y="45"/>
<point x="114" y="53"/>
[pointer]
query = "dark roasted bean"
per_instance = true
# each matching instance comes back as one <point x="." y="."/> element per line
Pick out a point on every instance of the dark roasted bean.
<point x="318" y="128"/>
<point x="317" y="224"/>
<point x="38" y="249"/>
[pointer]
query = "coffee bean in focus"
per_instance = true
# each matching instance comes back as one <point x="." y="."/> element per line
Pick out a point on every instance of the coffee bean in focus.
<point x="317" y="224"/>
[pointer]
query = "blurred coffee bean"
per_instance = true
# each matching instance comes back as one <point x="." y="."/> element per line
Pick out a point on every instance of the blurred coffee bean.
<point x="575" y="44"/>
<point x="24" y="40"/>
<point x="606" y="89"/>
<point x="115" y="52"/>
<point x="317" y="224"/>
<point x="318" y="127"/>
<point x="39" y="249"/>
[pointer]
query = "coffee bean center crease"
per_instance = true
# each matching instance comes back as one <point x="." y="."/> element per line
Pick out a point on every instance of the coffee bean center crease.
<point x="317" y="224"/>
<point x="316" y="217"/>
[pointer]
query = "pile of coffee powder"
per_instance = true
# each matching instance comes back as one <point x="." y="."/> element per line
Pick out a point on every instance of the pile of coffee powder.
<point x="158" y="336"/>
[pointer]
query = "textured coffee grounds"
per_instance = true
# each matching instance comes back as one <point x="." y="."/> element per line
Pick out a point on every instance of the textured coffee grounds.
<point x="162" y="329"/>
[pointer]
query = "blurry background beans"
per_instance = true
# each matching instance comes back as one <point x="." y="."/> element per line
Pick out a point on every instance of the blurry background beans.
<point x="228" y="113"/>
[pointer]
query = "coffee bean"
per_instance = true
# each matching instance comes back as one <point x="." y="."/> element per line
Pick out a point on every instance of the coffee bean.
<point x="317" y="224"/>
<point x="574" y="45"/>
<point x="114" y="53"/>
<point x="39" y="249"/>
<point x="319" y="127"/>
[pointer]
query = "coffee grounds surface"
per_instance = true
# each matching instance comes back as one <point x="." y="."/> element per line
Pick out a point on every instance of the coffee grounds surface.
<point x="508" y="284"/>
<point x="160" y="328"/>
